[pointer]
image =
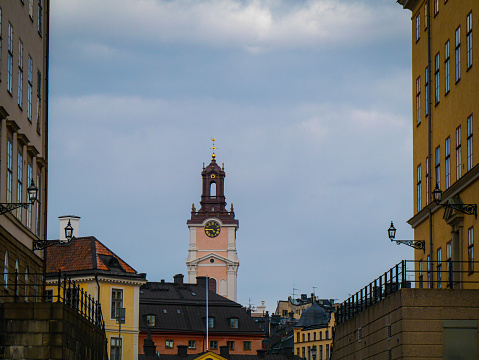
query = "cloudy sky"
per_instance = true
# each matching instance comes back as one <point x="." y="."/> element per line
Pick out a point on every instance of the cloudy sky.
<point x="310" y="103"/>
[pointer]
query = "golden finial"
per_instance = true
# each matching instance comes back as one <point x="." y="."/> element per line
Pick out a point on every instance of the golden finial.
<point x="232" y="207"/>
<point x="213" y="148"/>
<point x="203" y="165"/>
<point x="193" y="209"/>
<point x="222" y="166"/>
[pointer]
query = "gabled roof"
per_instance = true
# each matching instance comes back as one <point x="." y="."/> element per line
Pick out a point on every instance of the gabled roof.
<point x="85" y="254"/>
<point x="181" y="307"/>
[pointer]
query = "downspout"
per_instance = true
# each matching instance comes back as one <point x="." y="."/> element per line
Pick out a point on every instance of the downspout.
<point x="98" y="286"/>
<point x="429" y="128"/>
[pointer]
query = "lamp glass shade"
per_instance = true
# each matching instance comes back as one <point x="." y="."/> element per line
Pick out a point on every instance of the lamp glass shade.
<point x="69" y="231"/>
<point x="32" y="192"/>
<point x="313" y="351"/>
<point x="392" y="232"/>
<point x="437" y="194"/>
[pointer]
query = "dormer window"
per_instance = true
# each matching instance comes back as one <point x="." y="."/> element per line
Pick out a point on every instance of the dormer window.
<point x="233" y="323"/>
<point x="211" y="322"/>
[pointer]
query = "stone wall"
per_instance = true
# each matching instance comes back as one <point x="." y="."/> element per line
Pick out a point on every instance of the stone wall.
<point x="35" y="330"/>
<point x="413" y="324"/>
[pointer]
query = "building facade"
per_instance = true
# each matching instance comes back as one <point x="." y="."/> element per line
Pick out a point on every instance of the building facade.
<point x="445" y="153"/>
<point x="23" y="136"/>
<point x="212" y="249"/>
<point x="109" y="279"/>
<point x="176" y="314"/>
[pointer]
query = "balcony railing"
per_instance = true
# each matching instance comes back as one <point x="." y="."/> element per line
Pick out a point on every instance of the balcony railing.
<point x="410" y="274"/>
<point x="29" y="287"/>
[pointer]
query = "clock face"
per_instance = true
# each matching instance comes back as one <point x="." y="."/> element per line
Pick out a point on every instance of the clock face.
<point x="212" y="229"/>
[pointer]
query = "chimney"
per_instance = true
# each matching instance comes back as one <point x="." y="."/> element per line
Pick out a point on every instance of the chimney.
<point x="291" y="316"/>
<point x="261" y="353"/>
<point x="304" y="296"/>
<point x="75" y="223"/>
<point x="178" y="279"/>
<point x="149" y="347"/>
<point x="225" y="351"/>
<point x="182" y="350"/>
<point x="201" y="281"/>
<point x="288" y="351"/>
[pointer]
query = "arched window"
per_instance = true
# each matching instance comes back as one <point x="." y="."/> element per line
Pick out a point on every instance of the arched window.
<point x="213" y="190"/>
<point x="17" y="269"/>
<point x="212" y="285"/>
<point x="5" y="270"/>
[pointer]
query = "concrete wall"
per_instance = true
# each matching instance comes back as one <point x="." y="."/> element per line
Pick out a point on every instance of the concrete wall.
<point x="412" y="324"/>
<point x="48" y="331"/>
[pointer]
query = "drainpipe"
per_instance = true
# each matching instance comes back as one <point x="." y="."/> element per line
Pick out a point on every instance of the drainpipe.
<point x="98" y="285"/>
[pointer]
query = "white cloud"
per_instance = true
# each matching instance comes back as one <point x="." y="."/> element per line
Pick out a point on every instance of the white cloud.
<point x="254" y="25"/>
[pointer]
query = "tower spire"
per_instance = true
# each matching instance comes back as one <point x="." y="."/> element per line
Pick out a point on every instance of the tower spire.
<point x="213" y="157"/>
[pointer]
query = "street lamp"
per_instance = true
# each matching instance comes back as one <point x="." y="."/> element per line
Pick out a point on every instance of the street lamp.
<point x="313" y="352"/>
<point x="32" y="192"/>
<point x="454" y="203"/>
<point x="43" y="244"/>
<point x="416" y="244"/>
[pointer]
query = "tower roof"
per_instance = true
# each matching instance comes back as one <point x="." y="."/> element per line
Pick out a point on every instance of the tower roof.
<point x="314" y="316"/>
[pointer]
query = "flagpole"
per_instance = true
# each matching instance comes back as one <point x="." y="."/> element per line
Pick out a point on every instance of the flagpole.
<point x="207" y="318"/>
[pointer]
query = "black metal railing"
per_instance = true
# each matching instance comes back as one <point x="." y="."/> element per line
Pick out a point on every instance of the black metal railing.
<point x="29" y="287"/>
<point x="409" y="274"/>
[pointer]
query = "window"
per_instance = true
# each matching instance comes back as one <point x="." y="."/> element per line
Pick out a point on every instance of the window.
<point x="150" y="320"/>
<point x="418" y="100"/>
<point x="438" y="167"/>
<point x="10" y="59"/>
<point x="211" y="322"/>
<point x="191" y="344"/>
<point x="26" y="284"/>
<point x="326" y="333"/>
<point x="303" y="352"/>
<point x="470" y="249"/>
<point x="458" y="154"/>
<point x="436" y="7"/>
<point x="285" y="313"/>
<point x="320" y="352"/>
<point x="40" y="13"/>
<point x="447" y="161"/>
<point x="425" y="16"/>
<point x="231" y="345"/>
<point x="458" y="54"/>
<point x="447" y="61"/>
<point x="30" y="9"/>
<point x="304" y="338"/>
<point x="419" y="207"/>
<point x="298" y="338"/>
<point x="469" y="143"/>
<point x="439" y="268"/>
<point x="429" y="272"/>
<point x="420" y="271"/>
<point x="19" y="182"/>
<point x="214" y="344"/>
<point x="29" y="181"/>
<point x="169" y="344"/>
<point x="246" y="345"/>
<point x="5" y="270"/>
<point x="233" y="323"/>
<point x="418" y="27"/>
<point x="428" y="195"/>
<point x="37" y="205"/>
<point x="116" y="301"/>
<point x="49" y="295"/>
<point x="17" y="270"/>
<point x="29" y="88"/>
<point x="436" y="78"/>
<point x="39" y="100"/>
<point x="115" y="348"/>
<point x="469" y="40"/>
<point x="9" y="170"/>
<point x="327" y="351"/>
<point x="20" y="73"/>
<point x="449" y="263"/>
<point x="426" y="93"/>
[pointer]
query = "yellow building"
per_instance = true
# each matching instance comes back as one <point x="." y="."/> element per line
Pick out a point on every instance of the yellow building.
<point x="445" y="151"/>
<point x="313" y="334"/>
<point x="100" y="272"/>
<point x="296" y="306"/>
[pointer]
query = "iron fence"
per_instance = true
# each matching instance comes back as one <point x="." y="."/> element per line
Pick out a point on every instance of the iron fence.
<point x="30" y="287"/>
<point x="410" y="274"/>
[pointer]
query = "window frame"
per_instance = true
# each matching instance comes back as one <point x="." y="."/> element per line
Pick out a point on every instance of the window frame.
<point x="438" y="165"/>
<point x="437" y="78"/>
<point x="418" y="27"/>
<point x="419" y="188"/>
<point x="470" y="250"/>
<point x="233" y="323"/>
<point x="118" y="346"/>
<point x="470" y="162"/>
<point x="20" y="74"/>
<point x="469" y="41"/>
<point x="447" y="161"/>
<point x="458" y="54"/>
<point x="418" y="100"/>
<point x="214" y="344"/>
<point x="230" y="344"/>
<point x="426" y="90"/>
<point x="114" y="301"/>
<point x="192" y="344"/>
<point x="439" y="268"/>
<point x="447" y="71"/>
<point x="458" y="153"/>
<point x="169" y="343"/>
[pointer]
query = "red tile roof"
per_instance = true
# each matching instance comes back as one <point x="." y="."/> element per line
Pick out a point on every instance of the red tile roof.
<point x="82" y="254"/>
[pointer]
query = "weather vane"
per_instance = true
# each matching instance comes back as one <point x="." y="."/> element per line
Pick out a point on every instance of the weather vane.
<point x="213" y="148"/>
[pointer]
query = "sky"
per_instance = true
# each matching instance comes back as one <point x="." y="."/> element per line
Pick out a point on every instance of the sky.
<point x="310" y="105"/>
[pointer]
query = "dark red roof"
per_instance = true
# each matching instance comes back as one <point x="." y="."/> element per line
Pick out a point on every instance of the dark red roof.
<point x="84" y="253"/>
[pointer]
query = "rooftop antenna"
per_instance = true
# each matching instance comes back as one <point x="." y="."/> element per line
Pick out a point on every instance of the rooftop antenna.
<point x="314" y="291"/>
<point x="294" y="289"/>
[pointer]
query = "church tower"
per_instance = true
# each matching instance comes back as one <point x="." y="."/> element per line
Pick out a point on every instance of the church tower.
<point x="212" y="250"/>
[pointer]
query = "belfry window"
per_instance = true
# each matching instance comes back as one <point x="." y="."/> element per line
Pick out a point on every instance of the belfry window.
<point x="213" y="190"/>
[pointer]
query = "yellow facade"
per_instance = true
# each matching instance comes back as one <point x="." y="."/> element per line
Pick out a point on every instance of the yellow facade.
<point x="305" y="339"/>
<point x="445" y="137"/>
<point x="283" y="308"/>
<point x="103" y="290"/>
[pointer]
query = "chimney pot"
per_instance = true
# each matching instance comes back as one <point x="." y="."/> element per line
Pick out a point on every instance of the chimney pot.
<point x="201" y="281"/>
<point x="261" y="353"/>
<point x="178" y="279"/>
<point x="182" y="350"/>
<point x="225" y="351"/>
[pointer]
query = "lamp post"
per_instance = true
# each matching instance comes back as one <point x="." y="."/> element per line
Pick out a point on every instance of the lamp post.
<point x="416" y="244"/>
<point x="43" y="244"/>
<point x="469" y="209"/>
<point x="32" y="192"/>
<point x="313" y="352"/>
